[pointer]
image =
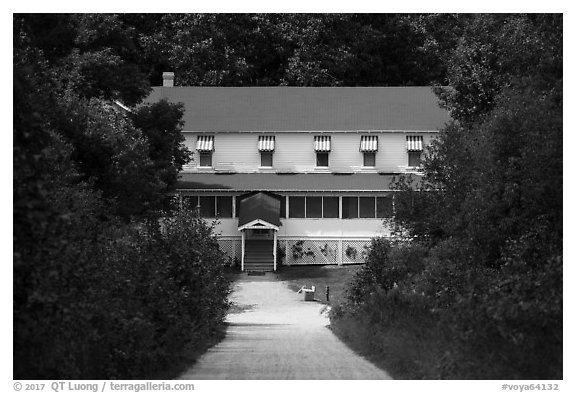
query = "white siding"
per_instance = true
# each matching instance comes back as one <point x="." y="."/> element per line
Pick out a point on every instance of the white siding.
<point x="239" y="151"/>
<point x="310" y="227"/>
<point x="227" y="227"/>
<point x="332" y="227"/>
<point x="392" y="155"/>
<point x="295" y="151"/>
<point x="190" y="143"/>
<point x="346" y="151"/>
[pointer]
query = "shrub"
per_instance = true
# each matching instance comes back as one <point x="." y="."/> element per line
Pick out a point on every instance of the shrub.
<point x="96" y="299"/>
<point x="446" y="274"/>
<point x="441" y="315"/>
<point x="519" y="310"/>
<point x="386" y="266"/>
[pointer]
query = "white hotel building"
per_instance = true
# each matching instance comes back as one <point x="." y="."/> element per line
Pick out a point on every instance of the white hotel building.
<point x="300" y="175"/>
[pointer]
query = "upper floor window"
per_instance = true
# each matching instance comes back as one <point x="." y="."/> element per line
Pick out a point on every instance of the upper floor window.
<point x="414" y="158"/>
<point x="266" y="159"/>
<point x="414" y="146"/>
<point x="206" y="159"/>
<point x="322" y="148"/>
<point x="322" y="159"/>
<point x="369" y="158"/>
<point x="266" y="147"/>
<point x="369" y="147"/>
<point x="205" y="147"/>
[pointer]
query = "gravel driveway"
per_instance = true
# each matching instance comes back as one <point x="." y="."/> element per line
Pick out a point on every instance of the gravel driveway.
<point x="274" y="334"/>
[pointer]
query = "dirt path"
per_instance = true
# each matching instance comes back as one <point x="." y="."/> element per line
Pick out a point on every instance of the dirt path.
<point x="276" y="335"/>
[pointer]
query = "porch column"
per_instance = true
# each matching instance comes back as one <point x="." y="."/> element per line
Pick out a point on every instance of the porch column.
<point x="243" y="241"/>
<point x="274" y="249"/>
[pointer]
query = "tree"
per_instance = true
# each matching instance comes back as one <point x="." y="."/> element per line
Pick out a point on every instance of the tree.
<point x="492" y="52"/>
<point x="489" y="208"/>
<point x="95" y="55"/>
<point x="80" y="164"/>
<point x="287" y="49"/>
<point x="506" y="98"/>
<point x="161" y="124"/>
<point x="95" y="62"/>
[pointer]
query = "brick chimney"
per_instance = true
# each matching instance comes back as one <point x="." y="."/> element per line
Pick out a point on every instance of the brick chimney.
<point x="168" y="79"/>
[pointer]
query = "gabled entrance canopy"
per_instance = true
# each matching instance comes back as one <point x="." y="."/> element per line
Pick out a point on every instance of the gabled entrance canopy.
<point x="259" y="210"/>
<point x="258" y="224"/>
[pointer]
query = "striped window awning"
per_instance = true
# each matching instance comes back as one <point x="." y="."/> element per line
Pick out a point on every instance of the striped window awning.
<point x="414" y="143"/>
<point x="205" y="143"/>
<point x="322" y="143"/>
<point x="266" y="143"/>
<point x="369" y="143"/>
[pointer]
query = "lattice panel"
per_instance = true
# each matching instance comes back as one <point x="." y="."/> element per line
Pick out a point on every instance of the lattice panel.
<point x="281" y="252"/>
<point x="311" y="252"/>
<point x="354" y="251"/>
<point x="231" y="247"/>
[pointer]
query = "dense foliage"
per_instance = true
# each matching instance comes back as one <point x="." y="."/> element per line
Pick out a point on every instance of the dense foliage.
<point x="101" y="290"/>
<point x="94" y="299"/>
<point x="486" y="221"/>
<point x="285" y="49"/>
<point x="76" y="85"/>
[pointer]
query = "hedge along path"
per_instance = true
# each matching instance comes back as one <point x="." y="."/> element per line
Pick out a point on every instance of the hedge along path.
<point x="275" y="334"/>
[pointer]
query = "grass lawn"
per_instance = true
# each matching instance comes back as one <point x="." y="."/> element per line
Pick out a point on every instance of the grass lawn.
<point x="334" y="276"/>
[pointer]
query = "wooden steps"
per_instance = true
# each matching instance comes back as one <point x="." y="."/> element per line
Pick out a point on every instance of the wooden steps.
<point x="258" y="255"/>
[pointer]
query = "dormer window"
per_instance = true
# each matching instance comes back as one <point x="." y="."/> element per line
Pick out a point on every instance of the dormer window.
<point x="322" y="148"/>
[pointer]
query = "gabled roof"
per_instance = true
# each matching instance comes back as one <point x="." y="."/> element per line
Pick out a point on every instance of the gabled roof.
<point x="260" y="207"/>
<point x="306" y="108"/>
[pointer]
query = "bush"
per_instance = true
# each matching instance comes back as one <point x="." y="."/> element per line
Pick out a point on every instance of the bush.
<point x="519" y="310"/>
<point x="386" y="266"/>
<point x="439" y="315"/>
<point x="95" y="299"/>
